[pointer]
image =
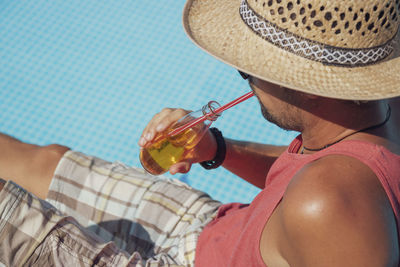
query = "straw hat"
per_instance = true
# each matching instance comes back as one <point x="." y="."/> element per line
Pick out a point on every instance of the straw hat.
<point x="345" y="49"/>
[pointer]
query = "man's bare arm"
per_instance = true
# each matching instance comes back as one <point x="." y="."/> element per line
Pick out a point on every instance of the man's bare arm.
<point x="336" y="213"/>
<point x="30" y="166"/>
<point x="251" y="161"/>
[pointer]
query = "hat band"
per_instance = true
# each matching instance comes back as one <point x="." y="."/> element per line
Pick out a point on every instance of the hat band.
<point x="326" y="54"/>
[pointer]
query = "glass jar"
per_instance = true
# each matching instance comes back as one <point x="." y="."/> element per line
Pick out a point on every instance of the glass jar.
<point x="167" y="149"/>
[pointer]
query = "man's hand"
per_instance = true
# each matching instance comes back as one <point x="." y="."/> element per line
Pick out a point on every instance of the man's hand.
<point x="161" y="122"/>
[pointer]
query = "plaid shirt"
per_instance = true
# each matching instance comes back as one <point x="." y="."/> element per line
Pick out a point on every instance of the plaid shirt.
<point x="102" y="214"/>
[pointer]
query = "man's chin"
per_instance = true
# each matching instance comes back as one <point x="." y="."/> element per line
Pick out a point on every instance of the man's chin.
<point x="271" y="118"/>
<point x="281" y="123"/>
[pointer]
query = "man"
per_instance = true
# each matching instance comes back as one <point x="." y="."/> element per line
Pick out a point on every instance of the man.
<point x="331" y="198"/>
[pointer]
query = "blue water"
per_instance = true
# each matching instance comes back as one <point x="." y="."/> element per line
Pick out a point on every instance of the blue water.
<point x="91" y="74"/>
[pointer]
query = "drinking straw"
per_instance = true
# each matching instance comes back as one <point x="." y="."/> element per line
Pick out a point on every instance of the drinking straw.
<point x="216" y="111"/>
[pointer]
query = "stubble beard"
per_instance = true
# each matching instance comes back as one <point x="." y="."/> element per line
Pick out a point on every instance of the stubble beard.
<point x="283" y="120"/>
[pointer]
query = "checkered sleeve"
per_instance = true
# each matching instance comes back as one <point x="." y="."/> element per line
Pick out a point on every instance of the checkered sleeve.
<point x="34" y="233"/>
<point x="156" y="217"/>
<point x="99" y="213"/>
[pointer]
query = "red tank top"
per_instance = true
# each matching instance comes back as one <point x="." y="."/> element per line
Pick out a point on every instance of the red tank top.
<point x="233" y="237"/>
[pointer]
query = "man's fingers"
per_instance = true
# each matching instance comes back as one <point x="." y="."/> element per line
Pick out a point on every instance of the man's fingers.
<point x="159" y="123"/>
<point x="150" y="130"/>
<point x="181" y="167"/>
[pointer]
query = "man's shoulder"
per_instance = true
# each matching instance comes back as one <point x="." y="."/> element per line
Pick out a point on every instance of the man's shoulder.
<point x="337" y="206"/>
<point x="334" y="182"/>
<point x="334" y="173"/>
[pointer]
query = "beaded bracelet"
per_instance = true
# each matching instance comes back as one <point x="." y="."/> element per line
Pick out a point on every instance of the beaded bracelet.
<point x="221" y="151"/>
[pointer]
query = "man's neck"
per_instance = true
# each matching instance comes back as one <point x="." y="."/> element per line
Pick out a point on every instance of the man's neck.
<point x="337" y="121"/>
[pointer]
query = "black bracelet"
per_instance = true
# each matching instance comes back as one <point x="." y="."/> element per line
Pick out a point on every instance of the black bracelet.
<point x="221" y="151"/>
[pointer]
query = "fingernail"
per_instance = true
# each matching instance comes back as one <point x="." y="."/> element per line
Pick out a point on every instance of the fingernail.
<point x="142" y="141"/>
<point x="149" y="136"/>
<point x="160" y="127"/>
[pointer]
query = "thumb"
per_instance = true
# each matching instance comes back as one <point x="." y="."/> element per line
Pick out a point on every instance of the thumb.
<point x="180" y="167"/>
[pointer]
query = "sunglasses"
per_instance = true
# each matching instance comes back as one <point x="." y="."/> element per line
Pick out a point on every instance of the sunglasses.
<point x="244" y="75"/>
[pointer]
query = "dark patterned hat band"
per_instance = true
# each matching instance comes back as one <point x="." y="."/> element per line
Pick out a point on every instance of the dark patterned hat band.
<point x="313" y="50"/>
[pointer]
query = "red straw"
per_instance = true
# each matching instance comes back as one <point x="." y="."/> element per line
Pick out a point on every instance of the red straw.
<point x="204" y="117"/>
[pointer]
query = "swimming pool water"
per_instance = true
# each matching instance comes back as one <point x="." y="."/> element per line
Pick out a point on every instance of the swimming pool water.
<point x="91" y="74"/>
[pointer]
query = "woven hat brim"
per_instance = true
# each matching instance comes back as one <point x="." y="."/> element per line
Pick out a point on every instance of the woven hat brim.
<point x="217" y="28"/>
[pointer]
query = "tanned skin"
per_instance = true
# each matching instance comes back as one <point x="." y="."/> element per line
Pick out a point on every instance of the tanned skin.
<point x="334" y="211"/>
